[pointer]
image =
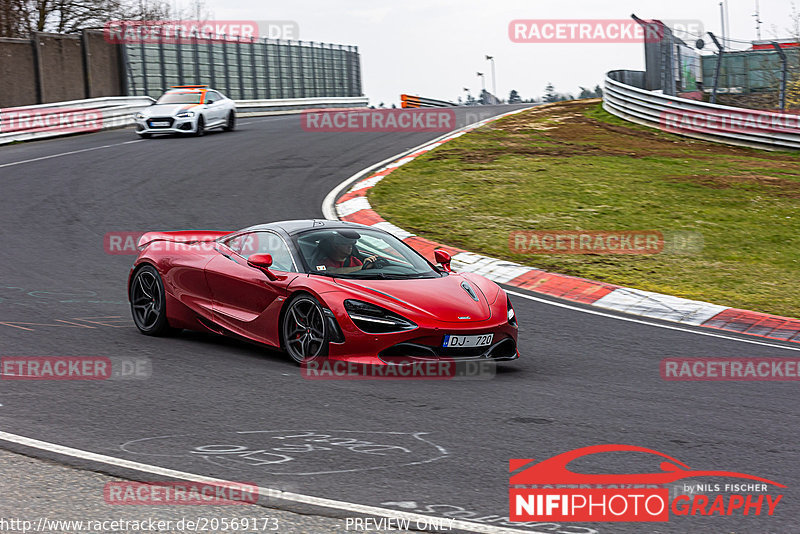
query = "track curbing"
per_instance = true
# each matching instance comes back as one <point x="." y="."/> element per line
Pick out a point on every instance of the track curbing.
<point x="352" y="205"/>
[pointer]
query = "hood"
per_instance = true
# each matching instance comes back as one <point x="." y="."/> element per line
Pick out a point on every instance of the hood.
<point x="443" y="299"/>
<point x="166" y="110"/>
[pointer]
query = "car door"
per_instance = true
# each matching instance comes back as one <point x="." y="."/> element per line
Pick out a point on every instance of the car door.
<point x="246" y="301"/>
<point x="184" y="277"/>
<point x="215" y="106"/>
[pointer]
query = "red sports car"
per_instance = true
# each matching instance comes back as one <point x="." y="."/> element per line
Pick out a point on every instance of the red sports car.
<point x="319" y="288"/>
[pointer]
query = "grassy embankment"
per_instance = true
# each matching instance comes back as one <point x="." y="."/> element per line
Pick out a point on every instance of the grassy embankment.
<point x="573" y="166"/>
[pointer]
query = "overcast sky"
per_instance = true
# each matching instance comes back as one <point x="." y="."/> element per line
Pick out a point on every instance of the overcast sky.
<point x="435" y="47"/>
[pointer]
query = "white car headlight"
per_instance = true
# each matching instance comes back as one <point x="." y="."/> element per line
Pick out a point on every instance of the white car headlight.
<point x="139" y="115"/>
<point x="185" y="114"/>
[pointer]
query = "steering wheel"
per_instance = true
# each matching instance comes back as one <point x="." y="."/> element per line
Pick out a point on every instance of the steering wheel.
<point x="377" y="263"/>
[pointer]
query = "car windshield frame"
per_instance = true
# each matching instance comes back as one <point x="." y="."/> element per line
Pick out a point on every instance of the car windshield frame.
<point x="409" y="255"/>
<point x="166" y="98"/>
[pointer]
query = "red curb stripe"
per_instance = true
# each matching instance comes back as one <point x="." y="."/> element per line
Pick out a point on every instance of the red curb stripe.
<point x="562" y="286"/>
<point x="350" y="195"/>
<point x="367" y="217"/>
<point x="756" y="324"/>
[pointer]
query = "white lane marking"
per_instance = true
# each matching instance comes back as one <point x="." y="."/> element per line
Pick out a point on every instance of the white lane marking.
<point x="68" y="153"/>
<point x="268" y="492"/>
<point x="632" y="320"/>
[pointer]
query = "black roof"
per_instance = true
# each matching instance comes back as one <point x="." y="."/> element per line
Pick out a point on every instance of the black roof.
<point x="298" y="226"/>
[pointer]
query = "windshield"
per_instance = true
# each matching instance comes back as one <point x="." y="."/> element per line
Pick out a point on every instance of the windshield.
<point x="361" y="254"/>
<point x="180" y="98"/>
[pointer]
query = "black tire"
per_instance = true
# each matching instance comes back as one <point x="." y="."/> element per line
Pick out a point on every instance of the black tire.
<point x="148" y="303"/>
<point x="304" y="331"/>
<point x="230" y="125"/>
<point x="145" y="135"/>
<point x="201" y="127"/>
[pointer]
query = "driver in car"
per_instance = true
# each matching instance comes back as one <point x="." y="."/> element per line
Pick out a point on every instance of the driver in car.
<point x="339" y="256"/>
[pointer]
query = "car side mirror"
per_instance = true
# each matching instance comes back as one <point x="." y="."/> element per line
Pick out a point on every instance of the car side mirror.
<point x="262" y="262"/>
<point x="443" y="257"/>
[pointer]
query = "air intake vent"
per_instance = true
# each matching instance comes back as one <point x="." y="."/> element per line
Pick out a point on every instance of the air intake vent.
<point x="469" y="290"/>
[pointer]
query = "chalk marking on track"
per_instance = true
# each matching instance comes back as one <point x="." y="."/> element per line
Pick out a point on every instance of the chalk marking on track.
<point x="268" y="492"/>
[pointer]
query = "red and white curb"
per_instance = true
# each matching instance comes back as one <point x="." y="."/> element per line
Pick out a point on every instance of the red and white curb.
<point x="353" y="206"/>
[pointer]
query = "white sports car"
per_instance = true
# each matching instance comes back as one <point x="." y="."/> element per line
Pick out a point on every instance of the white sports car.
<point x="187" y="109"/>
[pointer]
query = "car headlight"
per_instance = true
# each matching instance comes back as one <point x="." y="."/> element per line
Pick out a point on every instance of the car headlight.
<point x="374" y="319"/>
<point x="139" y="115"/>
<point x="512" y="317"/>
<point x="185" y="114"/>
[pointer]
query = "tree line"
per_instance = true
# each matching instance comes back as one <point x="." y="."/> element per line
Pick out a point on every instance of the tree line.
<point x="21" y="18"/>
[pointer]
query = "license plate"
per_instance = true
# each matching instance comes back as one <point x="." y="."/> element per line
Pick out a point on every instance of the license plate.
<point x="159" y="123"/>
<point x="451" y="341"/>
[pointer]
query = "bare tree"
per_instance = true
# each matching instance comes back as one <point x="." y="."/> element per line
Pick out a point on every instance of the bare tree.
<point x="19" y="18"/>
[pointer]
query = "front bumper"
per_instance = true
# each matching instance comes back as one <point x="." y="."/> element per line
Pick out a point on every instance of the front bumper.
<point x="423" y="343"/>
<point x="176" y="125"/>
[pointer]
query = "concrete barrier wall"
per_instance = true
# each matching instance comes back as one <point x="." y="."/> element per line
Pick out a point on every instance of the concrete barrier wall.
<point x="56" y="68"/>
<point x="61" y="70"/>
<point x="104" y="66"/>
<point x="17" y="75"/>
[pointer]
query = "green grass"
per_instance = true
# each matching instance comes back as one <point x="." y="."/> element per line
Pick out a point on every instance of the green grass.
<point x="575" y="167"/>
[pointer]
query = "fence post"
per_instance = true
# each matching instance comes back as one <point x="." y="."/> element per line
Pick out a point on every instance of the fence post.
<point x="211" y="74"/>
<point x="227" y="67"/>
<point x="784" y="73"/>
<point x="179" y="52"/>
<point x="163" y="69"/>
<point x="267" y="82"/>
<point x="253" y="67"/>
<point x="239" y="66"/>
<point x="197" y="79"/>
<point x="719" y="66"/>
<point x="143" y="61"/>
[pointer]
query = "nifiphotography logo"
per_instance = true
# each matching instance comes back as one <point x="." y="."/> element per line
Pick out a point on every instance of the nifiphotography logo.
<point x="549" y="491"/>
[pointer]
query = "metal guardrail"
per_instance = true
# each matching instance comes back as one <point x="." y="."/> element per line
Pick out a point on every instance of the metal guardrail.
<point x="710" y="122"/>
<point x="65" y="118"/>
<point x="96" y="114"/>
<point x="287" y="105"/>
<point x="410" y="101"/>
